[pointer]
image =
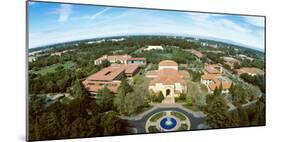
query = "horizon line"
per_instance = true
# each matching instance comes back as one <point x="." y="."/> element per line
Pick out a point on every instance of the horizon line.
<point x="159" y="34"/>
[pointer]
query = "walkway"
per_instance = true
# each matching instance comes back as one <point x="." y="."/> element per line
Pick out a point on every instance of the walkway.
<point x="139" y="121"/>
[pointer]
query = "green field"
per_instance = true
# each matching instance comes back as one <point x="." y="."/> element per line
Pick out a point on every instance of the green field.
<point x="178" y="115"/>
<point x="153" y="129"/>
<point x="52" y="68"/>
<point x="156" y="116"/>
<point x="183" y="127"/>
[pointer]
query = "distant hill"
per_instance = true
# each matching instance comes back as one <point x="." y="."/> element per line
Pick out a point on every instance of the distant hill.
<point x="201" y="38"/>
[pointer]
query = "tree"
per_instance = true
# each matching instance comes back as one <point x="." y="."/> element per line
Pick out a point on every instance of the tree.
<point x="93" y="126"/>
<point x="138" y="79"/>
<point x="132" y="103"/>
<point x="160" y="97"/>
<point x="49" y="125"/>
<point x="217" y="113"/>
<point x="124" y="87"/>
<point x="257" y="80"/>
<point x="218" y="91"/>
<point x="182" y="96"/>
<point x="119" y="100"/>
<point x="59" y="68"/>
<point x="64" y="123"/>
<point x="236" y="65"/>
<point x="196" y="76"/>
<point x="238" y="94"/>
<point x="243" y="115"/>
<point x="127" y="103"/>
<point x="259" y="113"/>
<point x="78" y="90"/>
<point x="79" y="128"/>
<point x="104" y="98"/>
<point x="189" y="101"/>
<point x="105" y="63"/>
<point x="111" y="123"/>
<point x="197" y="96"/>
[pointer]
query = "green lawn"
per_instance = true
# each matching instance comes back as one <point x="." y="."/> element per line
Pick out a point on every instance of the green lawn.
<point x="52" y="68"/>
<point x="183" y="127"/>
<point x="178" y="115"/>
<point x="153" y="129"/>
<point x="156" y="116"/>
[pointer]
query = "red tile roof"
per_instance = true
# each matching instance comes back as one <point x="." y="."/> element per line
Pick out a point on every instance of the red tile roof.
<point x="213" y="68"/>
<point x="168" y="63"/>
<point x="111" y="72"/>
<point x="130" y="68"/>
<point x="107" y="74"/>
<point x="195" y="53"/>
<point x="169" y="77"/>
<point x="95" y="88"/>
<point x="226" y="83"/>
<point x="115" y="57"/>
<point x="250" y="70"/>
<point x="209" y="76"/>
<point x="230" y="60"/>
<point x="142" y="59"/>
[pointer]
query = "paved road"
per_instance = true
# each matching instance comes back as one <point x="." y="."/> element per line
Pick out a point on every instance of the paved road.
<point x="140" y="124"/>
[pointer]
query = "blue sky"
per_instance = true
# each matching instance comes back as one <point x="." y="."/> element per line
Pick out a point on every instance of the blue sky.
<point x="51" y="23"/>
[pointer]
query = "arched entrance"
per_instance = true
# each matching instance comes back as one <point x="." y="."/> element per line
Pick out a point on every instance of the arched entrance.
<point x="168" y="92"/>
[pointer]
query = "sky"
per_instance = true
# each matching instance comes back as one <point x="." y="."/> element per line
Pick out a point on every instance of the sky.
<point x="51" y="23"/>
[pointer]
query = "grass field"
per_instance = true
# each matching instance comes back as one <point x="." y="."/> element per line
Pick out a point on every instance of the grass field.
<point x="178" y="115"/>
<point x="156" y="116"/>
<point x="153" y="129"/>
<point x="52" y="68"/>
<point x="183" y="127"/>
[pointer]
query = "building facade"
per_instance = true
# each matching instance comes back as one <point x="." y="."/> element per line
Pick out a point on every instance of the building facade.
<point x="122" y="59"/>
<point x="109" y="77"/>
<point x="168" y="79"/>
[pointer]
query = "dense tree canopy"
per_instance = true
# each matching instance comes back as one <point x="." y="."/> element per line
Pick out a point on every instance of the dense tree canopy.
<point x="81" y="118"/>
<point x="255" y="80"/>
<point x="217" y="113"/>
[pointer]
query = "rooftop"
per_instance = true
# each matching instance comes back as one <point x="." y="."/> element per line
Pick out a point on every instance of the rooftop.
<point x="137" y="59"/>
<point x="107" y="74"/>
<point x="213" y="68"/>
<point x="111" y="72"/>
<point x="115" y="57"/>
<point x="168" y="76"/>
<point x="251" y="71"/>
<point x="96" y="88"/>
<point x="168" y="63"/>
<point x="195" y="52"/>
<point x="226" y="83"/>
<point x="209" y="76"/>
<point x="230" y="59"/>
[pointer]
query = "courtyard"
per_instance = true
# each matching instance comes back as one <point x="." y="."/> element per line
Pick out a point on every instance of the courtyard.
<point x="158" y="118"/>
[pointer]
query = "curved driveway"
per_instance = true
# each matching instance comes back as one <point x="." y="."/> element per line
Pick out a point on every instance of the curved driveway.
<point x="140" y="124"/>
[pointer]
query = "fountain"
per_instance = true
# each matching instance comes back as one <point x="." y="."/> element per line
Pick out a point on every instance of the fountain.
<point x="168" y="123"/>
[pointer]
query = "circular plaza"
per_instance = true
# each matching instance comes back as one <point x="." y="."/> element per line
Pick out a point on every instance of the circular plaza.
<point x="165" y="121"/>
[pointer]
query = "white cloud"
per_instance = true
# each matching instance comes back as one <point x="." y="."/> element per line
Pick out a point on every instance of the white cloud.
<point x="232" y="26"/>
<point x="99" y="13"/>
<point x="64" y="12"/>
<point x="222" y="27"/>
<point x="256" y="21"/>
